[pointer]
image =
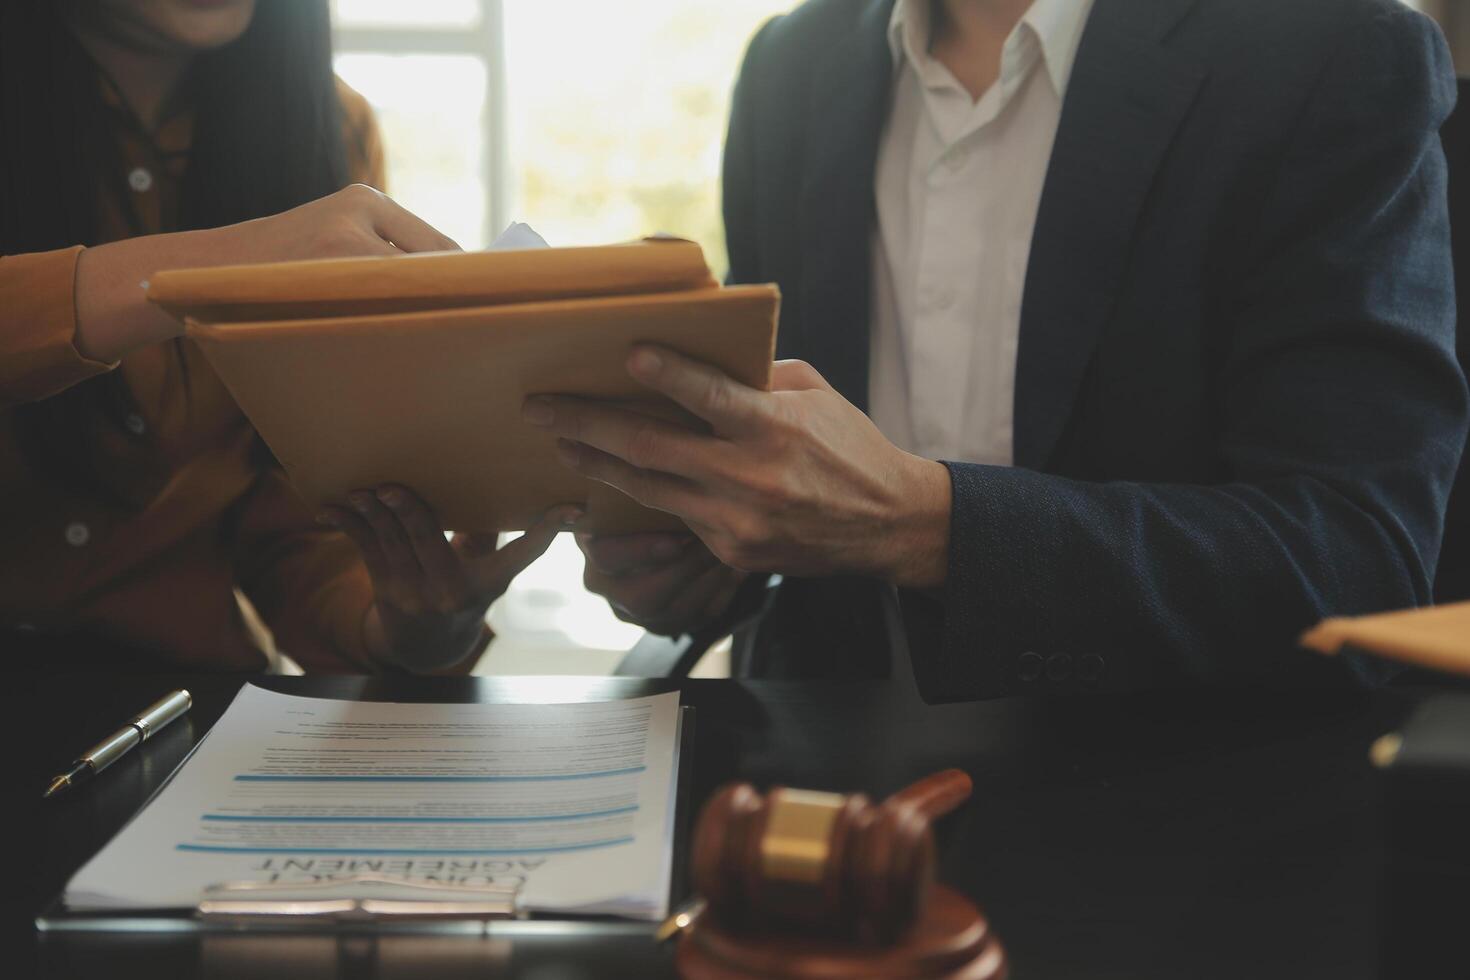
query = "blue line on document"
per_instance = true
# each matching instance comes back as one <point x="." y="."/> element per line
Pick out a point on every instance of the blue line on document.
<point x="253" y="818"/>
<point x="390" y="851"/>
<point x="250" y="778"/>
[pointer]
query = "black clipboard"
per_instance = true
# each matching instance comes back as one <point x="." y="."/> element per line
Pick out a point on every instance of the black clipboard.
<point x="57" y="923"/>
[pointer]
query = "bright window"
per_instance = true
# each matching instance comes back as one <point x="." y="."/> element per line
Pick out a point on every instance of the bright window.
<point x="594" y="122"/>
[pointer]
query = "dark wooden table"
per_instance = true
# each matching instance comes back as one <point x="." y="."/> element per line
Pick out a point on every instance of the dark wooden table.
<point x="1173" y="835"/>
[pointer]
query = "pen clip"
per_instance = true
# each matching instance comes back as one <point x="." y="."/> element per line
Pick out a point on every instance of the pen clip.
<point x="681" y="920"/>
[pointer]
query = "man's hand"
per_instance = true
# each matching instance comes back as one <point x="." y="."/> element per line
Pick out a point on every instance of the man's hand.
<point x="668" y="583"/>
<point x="432" y="593"/>
<point x="795" y="480"/>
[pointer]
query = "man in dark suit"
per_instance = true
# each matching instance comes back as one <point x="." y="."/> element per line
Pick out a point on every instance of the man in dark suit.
<point x="1167" y="285"/>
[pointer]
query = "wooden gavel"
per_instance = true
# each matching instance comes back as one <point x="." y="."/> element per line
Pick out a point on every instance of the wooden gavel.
<point x="822" y="862"/>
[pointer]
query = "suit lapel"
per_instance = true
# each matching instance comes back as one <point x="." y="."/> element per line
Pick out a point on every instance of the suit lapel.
<point x="1125" y="101"/>
<point x="844" y="123"/>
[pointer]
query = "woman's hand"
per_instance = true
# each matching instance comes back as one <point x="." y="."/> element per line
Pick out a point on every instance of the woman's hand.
<point x="432" y="593"/>
<point x="356" y="220"/>
<point x="114" y="318"/>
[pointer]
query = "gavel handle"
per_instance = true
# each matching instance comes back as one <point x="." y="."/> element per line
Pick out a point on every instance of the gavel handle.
<point x="936" y="795"/>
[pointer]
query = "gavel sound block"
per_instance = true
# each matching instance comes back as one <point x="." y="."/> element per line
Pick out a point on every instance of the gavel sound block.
<point x="801" y="884"/>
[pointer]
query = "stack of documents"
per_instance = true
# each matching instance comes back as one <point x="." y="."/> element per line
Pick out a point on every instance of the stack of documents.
<point x="573" y="804"/>
<point x="412" y="369"/>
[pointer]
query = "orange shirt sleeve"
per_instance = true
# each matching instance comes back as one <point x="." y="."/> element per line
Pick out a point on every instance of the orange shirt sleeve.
<point x="306" y="581"/>
<point x="38" y="326"/>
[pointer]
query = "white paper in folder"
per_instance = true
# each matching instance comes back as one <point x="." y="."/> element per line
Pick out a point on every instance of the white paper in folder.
<point x="572" y="802"/>
<point x="517" y="234"/>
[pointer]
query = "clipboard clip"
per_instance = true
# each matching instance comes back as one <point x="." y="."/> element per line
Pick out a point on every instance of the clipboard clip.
<point x="358" y="898"/>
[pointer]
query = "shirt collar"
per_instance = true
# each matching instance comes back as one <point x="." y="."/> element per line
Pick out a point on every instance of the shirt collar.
<point x="1056" y="24"/>
<point x="173" y="135"/>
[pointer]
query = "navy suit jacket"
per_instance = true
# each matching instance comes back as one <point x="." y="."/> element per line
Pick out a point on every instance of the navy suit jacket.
<point x="1238" y="408"/>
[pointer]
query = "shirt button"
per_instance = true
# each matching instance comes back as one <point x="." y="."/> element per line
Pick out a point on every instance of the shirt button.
<point x="77" y="534"/>
<point x="140" y="180"/>
<point x="1091" y="668"/>
<point x="954" y="161"/>
<point x="135" y="424"/>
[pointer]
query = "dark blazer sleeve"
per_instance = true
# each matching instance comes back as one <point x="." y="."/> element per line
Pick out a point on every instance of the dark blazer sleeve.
<point x="1341" y="417"/>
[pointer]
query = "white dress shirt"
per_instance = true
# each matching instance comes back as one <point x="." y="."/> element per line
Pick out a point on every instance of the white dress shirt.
<point x="958" y="184"/>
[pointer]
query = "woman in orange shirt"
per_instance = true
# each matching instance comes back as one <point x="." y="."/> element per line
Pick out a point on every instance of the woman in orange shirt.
<point x="138" y="503"/>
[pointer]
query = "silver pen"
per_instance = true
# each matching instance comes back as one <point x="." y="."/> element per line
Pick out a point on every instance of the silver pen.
<point x="113" y="747"/>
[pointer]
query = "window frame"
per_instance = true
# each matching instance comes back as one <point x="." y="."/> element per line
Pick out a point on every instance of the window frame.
<point x="486" y="41"/>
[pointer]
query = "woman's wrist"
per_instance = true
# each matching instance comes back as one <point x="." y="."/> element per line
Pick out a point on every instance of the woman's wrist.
<point x="114" y="316"/>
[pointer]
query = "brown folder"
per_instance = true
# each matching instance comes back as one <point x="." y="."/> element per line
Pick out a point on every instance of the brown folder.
<point x="412" y="369"/>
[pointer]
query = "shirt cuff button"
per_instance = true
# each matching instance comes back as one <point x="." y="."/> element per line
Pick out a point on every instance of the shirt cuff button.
<point x="77" y="534"/>
<point x="1090" y="668"/>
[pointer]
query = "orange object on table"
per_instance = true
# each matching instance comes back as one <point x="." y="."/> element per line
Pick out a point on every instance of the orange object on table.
<point x="1437" y="637"/>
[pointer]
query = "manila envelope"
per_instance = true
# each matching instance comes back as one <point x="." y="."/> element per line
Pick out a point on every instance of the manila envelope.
<point x="431" y="398"/>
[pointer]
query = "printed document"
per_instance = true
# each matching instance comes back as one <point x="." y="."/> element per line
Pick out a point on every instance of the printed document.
<point x="573" y="803"/>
